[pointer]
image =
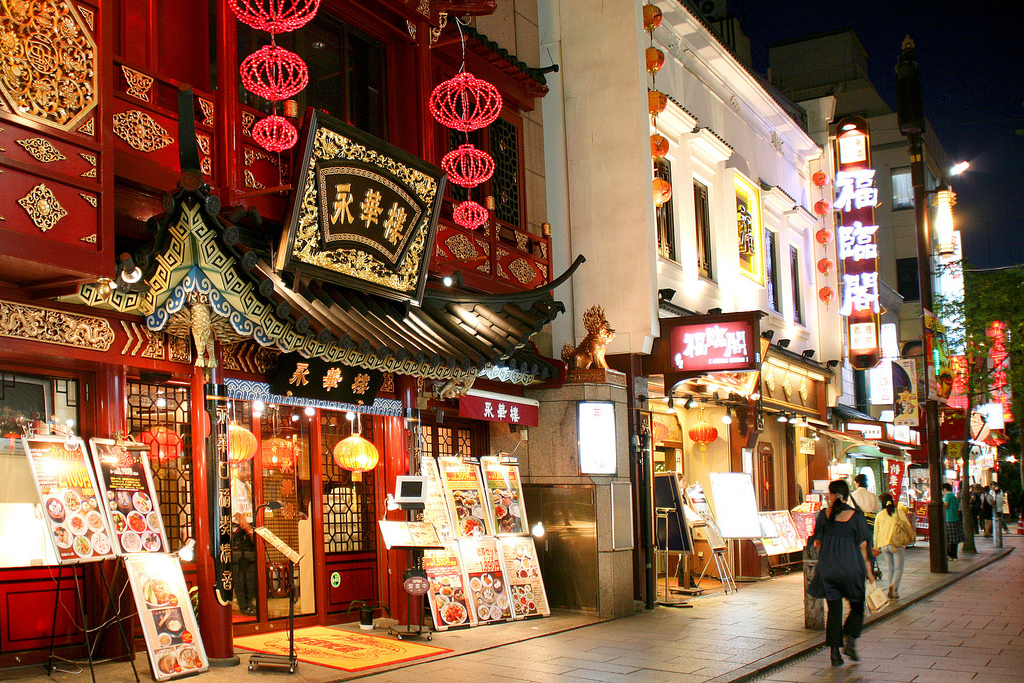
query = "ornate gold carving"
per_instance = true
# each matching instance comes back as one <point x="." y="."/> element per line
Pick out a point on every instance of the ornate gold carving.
<point x="141" y="338"/>
<point x="90" y="158"/>
<point x="411" y="28"/>
<point x="206" y="166"/>
<point x="41" y="149"/>
<point x="461" y="247"/>
<point x="47" y="62"/>
<point x="179" y="350"/>
<point x="590" y="352"/>
<point x="89" y="127"/>
<point x="207" y="107"/>
<point x="424" y="8"/>
<point x="140" y="131"/>
<point x="544" y="249"/>
<point x="91" y="239"/>
<point x="804" y="390"/>
<point x="247" y="121"/>
<point x="204" y="143"/>
<point x="138" y="83"/>
<point x="42" y="207"/>
<point x="89" y="198"/>
<point x="787" y="386"/>
<point x="769" y="379"/>
<point x="21" y="321"/>
<point x="250" y="180"/>
<point x="88" y="16"/>
<point x="522" y="270"/>
<point x="523" y="241"/>
<point x="387" y="384"/>
<point x="501" y="271"/>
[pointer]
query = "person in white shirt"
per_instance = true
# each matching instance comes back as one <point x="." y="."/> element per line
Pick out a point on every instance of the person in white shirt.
<point x="243" y="546"/>
<point x="869" y="504"/>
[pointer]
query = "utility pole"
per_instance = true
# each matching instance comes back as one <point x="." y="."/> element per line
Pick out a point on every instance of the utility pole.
<point x="910" y="114"/>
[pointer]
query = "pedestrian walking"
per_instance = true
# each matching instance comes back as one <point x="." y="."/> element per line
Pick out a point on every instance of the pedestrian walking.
<point x="986" y="512"/>
<point x="954" y="526"/>
<point x="868" y="503"/>
<point x="893" y="533"/>
<point x="996" y="501"/>
<point x="976" y="508"/>
<point x="842" y="538"/>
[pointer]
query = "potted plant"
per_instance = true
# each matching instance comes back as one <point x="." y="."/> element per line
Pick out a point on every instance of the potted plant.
<point x="366" y="610"/>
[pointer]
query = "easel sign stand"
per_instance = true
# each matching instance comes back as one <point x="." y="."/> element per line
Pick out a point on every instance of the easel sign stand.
<point x="289" y="660"/>
<point x="412" y="536"/>
<point x="704" y="528"/>
<point x="668" y="501"/>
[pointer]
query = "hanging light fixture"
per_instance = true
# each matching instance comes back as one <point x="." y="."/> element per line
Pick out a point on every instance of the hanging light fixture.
<point x="470" y="215"/>
<point x="275" y="16"/>
<point x="275" y="133"/>
<point x="277" y="453"/>
<point x="702" y="433"/>
<point x="467" y="166"/>
<point x="164" y="443"/>
<point x="945" y="200"/>
<point x="274" y="73"/>
<point x="356" y="454"/>
<point x="465" y="102"/>
<point x="241" y="444"/>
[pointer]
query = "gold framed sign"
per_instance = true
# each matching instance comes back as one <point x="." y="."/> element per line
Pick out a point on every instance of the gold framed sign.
<point x="363" y="213"/>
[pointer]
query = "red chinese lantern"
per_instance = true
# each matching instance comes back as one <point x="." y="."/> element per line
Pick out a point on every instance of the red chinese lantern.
<point x="656" y="101"/>
<point x="274" y="73"/>
<point x="465" y="103"/>
<point x="820" y="178"/>
<point x="652" y="17"/>
<point x="655" y="59"/>
<point x="467" y="166"/>
<point x="823" y="236"/>
<point x="702" y="433"/>
<point x="826" y="265"/>
<point x="470" y="215"/>
<point x="821" y="207"/>
<point x="275" y="16"/>
<point x="659" y="146"/>
<point x="277" y="453"/>
<point x="275" y="133"/>
<point x="241" y="444"/>
<point x="662" y="190"/>
<point x="356" y="454"/>
<point x="826" y="294"/>
<point x="164" y="444"/>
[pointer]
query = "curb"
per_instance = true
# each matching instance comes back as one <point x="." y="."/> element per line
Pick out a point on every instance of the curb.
<point x="801" y="651"/>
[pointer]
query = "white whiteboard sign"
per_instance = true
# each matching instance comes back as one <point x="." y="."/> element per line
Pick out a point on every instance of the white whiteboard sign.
<point x="597" y="437"/>
<point x="735" y="505"/>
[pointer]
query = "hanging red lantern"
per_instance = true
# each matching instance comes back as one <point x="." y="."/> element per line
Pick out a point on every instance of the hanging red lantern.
<point x="655" y="59"/>
<point x="656" y="102"/>
<point x="275" y="16"/>
<point x="465" y="103"/>
<point x="241" y="444"/>
<point x="467" y="166"/>
<point x="659" y="146"/>
<point x="822" y="207"/>
<point x="470" y="215"/>
<point x="275" y="133"/>
<point x="826" y="265"/>
<point x="826" y="294"/>
<point x="652" y="17"/>
<point x="164" y="443"/>
<point x="274" y="73"/>
<point x="823" y="236"/>
<point x="356" y="454"/>
<point x="702" y="433"/>
<point x="662" y="190"/>
<point x="820" y="178"/>
<point x="277" y="453"/>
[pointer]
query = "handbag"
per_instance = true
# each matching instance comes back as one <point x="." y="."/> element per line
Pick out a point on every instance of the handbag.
<point x="875" y="598"/>
<point x="903" y="534"/>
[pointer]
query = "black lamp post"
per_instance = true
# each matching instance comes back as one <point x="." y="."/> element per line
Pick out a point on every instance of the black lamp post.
<point x="910" y="115"/>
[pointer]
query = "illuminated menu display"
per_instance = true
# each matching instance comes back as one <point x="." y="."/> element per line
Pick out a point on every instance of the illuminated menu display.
<point x="597" y="438"/>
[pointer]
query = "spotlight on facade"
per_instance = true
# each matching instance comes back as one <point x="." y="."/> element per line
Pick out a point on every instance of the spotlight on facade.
<point x="727" y="418"/>
<point x="782" y="418"/>
<point x="538" y="530"/>
<point x="310" y="411"/>
<point x="187" y="552"/>
<point x="959" y="167"/>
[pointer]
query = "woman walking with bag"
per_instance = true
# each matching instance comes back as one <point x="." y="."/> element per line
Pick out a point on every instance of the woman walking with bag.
<point x="893" y="533"/>
<point x="841" y="536"/>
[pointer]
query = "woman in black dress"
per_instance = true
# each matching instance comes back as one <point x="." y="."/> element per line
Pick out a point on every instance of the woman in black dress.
<point x="842" y="537"/>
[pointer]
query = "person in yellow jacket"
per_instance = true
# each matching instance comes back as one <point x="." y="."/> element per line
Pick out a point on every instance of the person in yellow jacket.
<point x="893" y="533"/>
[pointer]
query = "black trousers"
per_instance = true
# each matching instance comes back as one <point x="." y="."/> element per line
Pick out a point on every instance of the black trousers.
<point x="835" y="629"/>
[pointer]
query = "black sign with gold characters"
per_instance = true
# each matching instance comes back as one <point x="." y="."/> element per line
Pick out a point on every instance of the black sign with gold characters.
<point x="315" y="379"/>
<point x="363" y="213"/>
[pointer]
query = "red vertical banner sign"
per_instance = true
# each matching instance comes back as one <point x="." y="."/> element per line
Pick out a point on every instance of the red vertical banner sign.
<point x="999" y="365"/>
<point x="857" y="244"/>
<point x="894" y="471"/>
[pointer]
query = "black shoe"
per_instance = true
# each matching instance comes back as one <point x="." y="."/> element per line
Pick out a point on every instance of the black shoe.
<point x="851" y="649"/>
<point x="837" y="659"/>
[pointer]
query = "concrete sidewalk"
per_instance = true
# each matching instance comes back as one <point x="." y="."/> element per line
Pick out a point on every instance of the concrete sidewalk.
<point x="722" y="638"/>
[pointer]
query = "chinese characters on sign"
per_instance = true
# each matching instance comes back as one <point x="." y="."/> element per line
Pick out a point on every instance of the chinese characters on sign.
<point x="999" y="364"/>
<point x="894" y="471"/>
<point x="498" y="408"/>
<point x="317" y="379"/>
<point x="749" y="235"/>
<point x="717" y="347"/>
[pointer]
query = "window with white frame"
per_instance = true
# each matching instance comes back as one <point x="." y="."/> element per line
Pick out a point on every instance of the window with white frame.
<point x="702" y="221"/>
<point x="666" y="222"/>
<point x="771" y="269"/>
<point x="902" y="189"/>
<point x="798" y="304"/>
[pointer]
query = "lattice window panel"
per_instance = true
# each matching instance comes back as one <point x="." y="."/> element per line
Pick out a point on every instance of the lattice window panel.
<point x="165" y="405"/>
<point x="505" y="183"/>
<point x="440" y="441"/>
<point x="349" y="506"/>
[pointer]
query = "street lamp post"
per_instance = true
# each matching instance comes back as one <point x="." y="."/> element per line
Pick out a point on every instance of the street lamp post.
<point x="910" y="114"/>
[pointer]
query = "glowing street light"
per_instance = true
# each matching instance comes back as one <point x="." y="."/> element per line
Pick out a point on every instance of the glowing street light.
<point x="959" y="167"/>
<point x="945" y="199"/>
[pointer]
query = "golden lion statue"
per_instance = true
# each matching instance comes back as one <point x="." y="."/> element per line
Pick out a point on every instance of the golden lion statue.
<point x="590" y="352"/>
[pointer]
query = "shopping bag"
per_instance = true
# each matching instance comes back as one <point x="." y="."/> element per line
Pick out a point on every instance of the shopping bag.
<point x="876" y="598"/>
<point x="903" y="534"/>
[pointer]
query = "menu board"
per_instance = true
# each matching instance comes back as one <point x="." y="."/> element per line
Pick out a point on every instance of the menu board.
<point x="71" y="504"/>
<point x="504" y="495"/>
<point x="173" y="643"/>
<point x="804" y="523"/>
<point x="525" y="584"/>
<point x="408" y="534"/>
<point x="435" y="506"/>
<point x="126" y="486"/>
<point x="736" y="506"/>
<point x="707" y="531"/>
<point x="449" y="605"/>
<point x="275" y="542"/>
<point x="778" y="534"/>
<point x="465" y="494"/>
<point x="488" y="588"/>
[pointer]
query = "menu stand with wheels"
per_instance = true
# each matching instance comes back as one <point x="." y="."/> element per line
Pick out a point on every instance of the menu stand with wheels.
<point x="416" y="585"/>
<point x="289" y="660"/>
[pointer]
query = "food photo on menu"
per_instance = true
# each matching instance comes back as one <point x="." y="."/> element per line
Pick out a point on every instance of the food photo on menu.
<point x="488" y="589"/>
<point x="469" y="511"/>
<point x="447" y="596"/>
<point x="504" y="495"/>
<point x="127" y="485"/>
<point x="526" y="586"/>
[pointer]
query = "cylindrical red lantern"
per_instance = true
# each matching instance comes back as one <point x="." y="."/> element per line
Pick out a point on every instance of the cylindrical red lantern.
<point x="465" y="102"/>
<point x="355" y="454"/>
<point x="826" y="265"/>
<point x="275" y="16"/>
<point x="274" y="73"/>
<point x="652" y="17"/>
<point x="470" y="215"/>
<point x="655" y="59"/>
<point x="823" y="236"/>
<point x="656" y="101"/>
<point x="662" y="191"/>
<point x="468" y="166"/>
<point x="702" y="433"/>
<point x="241" y="444"/>
<point x="275" y="133"/>
<point x="277" y="453"/>
<point x="659" y="146"/>
<point x="820" y="178"/>
<point x="826" y="294"/>
<point x="822" y="207"/>
<point x="164" y="444"/>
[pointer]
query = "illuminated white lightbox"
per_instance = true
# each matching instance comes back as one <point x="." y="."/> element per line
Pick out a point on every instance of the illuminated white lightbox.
<point x="597" y="437"/>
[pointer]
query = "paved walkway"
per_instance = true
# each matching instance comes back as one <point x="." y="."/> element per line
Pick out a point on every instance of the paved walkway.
<point x="723" y="638"/>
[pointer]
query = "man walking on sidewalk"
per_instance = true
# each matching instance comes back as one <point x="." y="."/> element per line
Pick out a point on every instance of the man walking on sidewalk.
<point x="954" y="526"/>
<point x="996" y="501"/>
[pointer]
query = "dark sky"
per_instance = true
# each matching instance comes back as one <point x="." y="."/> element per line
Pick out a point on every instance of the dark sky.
<point x="971" y="56"/>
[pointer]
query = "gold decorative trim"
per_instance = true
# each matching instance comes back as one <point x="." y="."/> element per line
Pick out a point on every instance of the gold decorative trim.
<point x="42" y="207"/>
<point x="247" y="121"/>
<point x="139" y="83"/>
<point x="179" y="349"/>
<point x="91" y="239"/>
<point x="204" y="143"/>
<point x="523" y="241"/>
<point x="387" y="384"/>
<point x="424" y="8"/>
<point x="90" y="158"/>
<point x="206" y="166"/>
<point x="88" y="17"/>
<point x="461" y="247"/>
<point x="250" y="180"/>
<point x="522" y="270"/>
<point x="207" y="107"/>
<point x="88" y="128"/>
<point x="41" y="149"/>
<point x="89" y="198"/>
<point x="49" y="326"/>
<point x="140" y="131"/>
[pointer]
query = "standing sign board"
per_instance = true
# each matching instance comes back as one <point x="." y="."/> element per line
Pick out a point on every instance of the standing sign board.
<point x="736" y="505"/>
<point x="525" y="584"/>
<point x="504" y="495"/>
<point x="779" y="534"/>
<point x="698" y="502"/>
<point x="173" y="643"/>
<point x="596" y="433"/>
<point x="488" y="589"/>
<point x="398" y="534"/>
<point x="449" y="604"/>
<point x="466" y="496"/>
<point x="435" y="510"/>
<point x="130" y="502"/>
<point x="71" y="503"/>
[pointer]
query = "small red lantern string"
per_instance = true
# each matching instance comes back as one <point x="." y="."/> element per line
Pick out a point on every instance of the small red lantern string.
<point x="470" y="215"/>
<point x="465" y="103"/>
<point x="275" y="16"/>
<point x="274" y="73"/>
<point x="275" y="133"/>
<point x="468" y="166"/>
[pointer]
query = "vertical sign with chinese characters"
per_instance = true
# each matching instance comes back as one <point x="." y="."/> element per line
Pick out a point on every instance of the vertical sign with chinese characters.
<point x="894" y="471"/>
<point x="219" y="489"/>
<point x="749" y="235"/>
<point x="856" y="198"/>
<point x="999" y="366"/>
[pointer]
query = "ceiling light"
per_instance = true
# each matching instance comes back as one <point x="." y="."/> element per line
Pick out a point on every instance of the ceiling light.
<point x="782" y="417"/>
<point x="727" y="418"/>
<point x="310" y="411"/>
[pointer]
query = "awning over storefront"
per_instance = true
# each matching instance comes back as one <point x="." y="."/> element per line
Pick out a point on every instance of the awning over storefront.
<point x="853" y="445"/>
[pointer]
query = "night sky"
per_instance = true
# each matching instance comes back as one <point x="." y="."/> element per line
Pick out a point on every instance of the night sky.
<point x="971" y="56"/>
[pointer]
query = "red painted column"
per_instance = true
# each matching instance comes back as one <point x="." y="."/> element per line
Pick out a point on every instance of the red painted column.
<point x="424" y="85"/>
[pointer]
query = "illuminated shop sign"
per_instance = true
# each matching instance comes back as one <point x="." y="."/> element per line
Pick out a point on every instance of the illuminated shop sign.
<point x="749" y="234"/>
<point x="715" y="347"/>
<point x="856" y="198"/>
<point x="999" y="364"/>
